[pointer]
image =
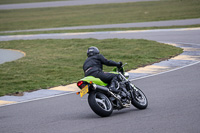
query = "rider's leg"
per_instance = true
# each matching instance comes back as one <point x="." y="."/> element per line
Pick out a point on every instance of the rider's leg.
<point x="110" y="78"/>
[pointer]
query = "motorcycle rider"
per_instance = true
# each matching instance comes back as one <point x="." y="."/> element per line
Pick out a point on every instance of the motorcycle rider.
<point x="93" y="66"/>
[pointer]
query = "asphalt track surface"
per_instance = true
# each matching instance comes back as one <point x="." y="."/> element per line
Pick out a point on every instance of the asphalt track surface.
<point x="174" y="101"/>
<point x="173" y="107"/>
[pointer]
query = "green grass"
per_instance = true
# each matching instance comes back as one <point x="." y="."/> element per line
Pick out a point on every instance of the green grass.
<point x="99" y="30"/>
<point x="98" y="14"/>
<point x="24" y="1"/>
<point x="50" y="63"/>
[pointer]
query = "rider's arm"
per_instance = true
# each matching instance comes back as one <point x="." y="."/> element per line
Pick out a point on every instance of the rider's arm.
<point x="108" y="62"/>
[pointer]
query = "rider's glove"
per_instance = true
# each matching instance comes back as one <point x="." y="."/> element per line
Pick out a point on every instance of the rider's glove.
<point x="119" y="64"/>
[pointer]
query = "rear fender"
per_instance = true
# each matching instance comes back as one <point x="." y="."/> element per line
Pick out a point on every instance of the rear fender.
<point x="94" y="80"/>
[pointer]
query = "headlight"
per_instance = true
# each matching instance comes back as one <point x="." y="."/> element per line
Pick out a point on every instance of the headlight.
<point x="126" y="75"/>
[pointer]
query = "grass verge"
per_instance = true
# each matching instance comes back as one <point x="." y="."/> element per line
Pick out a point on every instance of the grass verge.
<point x="50" y="63"/>
<point x="22" y="19"/>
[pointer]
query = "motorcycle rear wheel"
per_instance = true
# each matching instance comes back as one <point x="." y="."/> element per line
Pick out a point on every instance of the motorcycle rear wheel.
<point x="100" y="104"/>
<point x="139" y="99"/>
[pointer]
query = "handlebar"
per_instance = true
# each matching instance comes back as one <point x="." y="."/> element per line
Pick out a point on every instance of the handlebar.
<point x="121" y="69"/>
<point x="124" y="64"/>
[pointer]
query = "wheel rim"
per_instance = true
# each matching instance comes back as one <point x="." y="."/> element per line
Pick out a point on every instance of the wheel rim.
<point x="103" y="102"/>
<point x="140" y="97"/>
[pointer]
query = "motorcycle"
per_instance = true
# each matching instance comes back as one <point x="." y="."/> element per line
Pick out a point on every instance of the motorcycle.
<point x="103" y="101"/>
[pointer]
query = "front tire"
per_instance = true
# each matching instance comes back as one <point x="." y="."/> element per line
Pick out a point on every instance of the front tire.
<point x="100" y="104"/>
<point x="139" y="99"/>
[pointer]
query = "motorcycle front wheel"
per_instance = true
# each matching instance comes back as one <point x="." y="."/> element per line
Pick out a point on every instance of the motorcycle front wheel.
<point x="100" y="104"/>
<point x="139" y="99"/>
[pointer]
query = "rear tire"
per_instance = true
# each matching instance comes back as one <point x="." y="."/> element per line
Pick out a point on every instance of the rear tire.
<point x="139" y="99"/>
<point x="100" y="104"/>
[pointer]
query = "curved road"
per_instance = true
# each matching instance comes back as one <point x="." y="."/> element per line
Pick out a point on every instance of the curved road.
<point x="174" y="101"/>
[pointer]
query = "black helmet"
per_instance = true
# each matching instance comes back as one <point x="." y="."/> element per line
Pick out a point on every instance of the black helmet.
<point x="92" y="51"/>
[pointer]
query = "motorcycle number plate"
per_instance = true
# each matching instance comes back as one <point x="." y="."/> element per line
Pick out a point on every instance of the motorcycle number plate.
<point x="84" y="91"/>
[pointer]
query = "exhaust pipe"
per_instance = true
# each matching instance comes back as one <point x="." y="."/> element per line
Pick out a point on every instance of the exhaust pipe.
<point x="105" y="89"/>
<point x="101" y="88"/>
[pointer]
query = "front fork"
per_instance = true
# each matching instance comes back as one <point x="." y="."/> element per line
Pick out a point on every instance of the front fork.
<point x="127" y="81"/>
<point x="133" y="86"/>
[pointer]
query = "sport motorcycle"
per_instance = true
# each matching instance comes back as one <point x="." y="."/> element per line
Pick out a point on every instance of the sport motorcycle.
<point x="103" y="101"/>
